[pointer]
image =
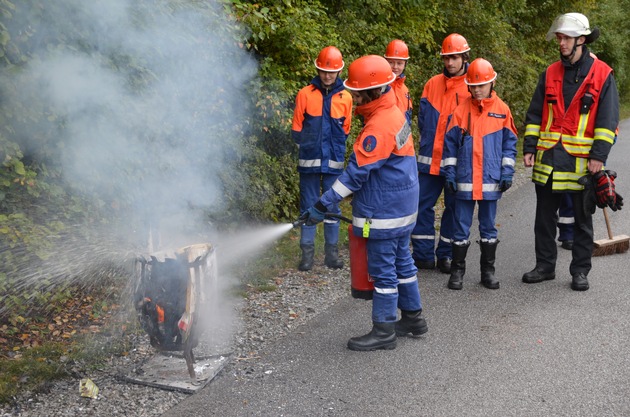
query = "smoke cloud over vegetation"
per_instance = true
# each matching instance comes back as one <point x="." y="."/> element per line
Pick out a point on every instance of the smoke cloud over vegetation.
<point x="144" y="109"/>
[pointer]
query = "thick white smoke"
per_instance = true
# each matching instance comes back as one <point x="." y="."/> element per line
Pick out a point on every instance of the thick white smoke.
<point x="149" y="95"/>
<point x="143" y="99"/>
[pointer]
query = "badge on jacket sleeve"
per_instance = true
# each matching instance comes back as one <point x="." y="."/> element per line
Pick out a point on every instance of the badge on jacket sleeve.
<point x="369" y="143"/>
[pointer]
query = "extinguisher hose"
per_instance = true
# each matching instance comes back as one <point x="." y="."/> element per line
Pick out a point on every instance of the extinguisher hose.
<point x="338" y="216"/>
<point x="302" y="219"/>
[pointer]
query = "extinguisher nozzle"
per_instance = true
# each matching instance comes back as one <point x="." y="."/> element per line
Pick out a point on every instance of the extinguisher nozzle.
<point x="301" y="220"/>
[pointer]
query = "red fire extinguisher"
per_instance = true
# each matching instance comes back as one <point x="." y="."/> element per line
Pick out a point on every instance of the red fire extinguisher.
<point x="361" y="285"/>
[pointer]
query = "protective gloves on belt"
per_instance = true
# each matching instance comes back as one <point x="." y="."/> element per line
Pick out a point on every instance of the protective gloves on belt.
<point x="316" y="214"/>
<point x="604" y="184"/>
<point x="451" y="185"/>
<point x="505" y="183"/>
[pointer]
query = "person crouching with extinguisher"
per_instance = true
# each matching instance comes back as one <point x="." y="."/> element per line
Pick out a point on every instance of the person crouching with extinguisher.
<point x="382" y="175"/>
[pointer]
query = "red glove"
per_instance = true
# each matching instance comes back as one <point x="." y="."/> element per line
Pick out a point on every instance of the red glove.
<point x="605" y="189"/>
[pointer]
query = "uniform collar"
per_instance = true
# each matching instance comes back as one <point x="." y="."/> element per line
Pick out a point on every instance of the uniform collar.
<point x="386" y="100"/>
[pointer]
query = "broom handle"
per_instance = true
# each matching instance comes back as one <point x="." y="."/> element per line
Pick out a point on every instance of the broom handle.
<point x="610" y="235"/>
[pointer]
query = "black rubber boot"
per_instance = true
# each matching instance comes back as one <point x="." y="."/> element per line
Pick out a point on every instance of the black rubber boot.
<point x="382" y="336"/>
<point x="332" y="257"/>
<point x="308" y="252"/>
<point x="444" y="265"/>
<point x="488" y="256"/>
<point x="458" y="266"/>
<point x="411" y="324"/>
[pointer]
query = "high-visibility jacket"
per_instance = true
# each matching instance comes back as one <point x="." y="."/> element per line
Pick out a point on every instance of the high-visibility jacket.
<point x="440" y="96"/>
<point x="573" y="117"/>
<point x="572" y="123"/>
<point x="381" y="173"/>
<point x="403" y="98"/>
<point x="480" y="148"/>
<point x="321" y="124"/>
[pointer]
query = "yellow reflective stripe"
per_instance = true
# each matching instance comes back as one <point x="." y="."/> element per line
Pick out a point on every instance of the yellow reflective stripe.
<point x="582" y="122"/>
<point x="581" y="166"/>
<point x="539" y="178"/>
<point x="549" y="117"/>
<point x="540" y="172"/>
<point x="547" y="144"/>
<point x="548" y="139"/>
<point x="566" y="186"/>
<point x="550" y="135"/>
<point x="577" y="140"/>
<point x="605" y="135"/>
<point x="532" y="130"/>
<point x="566" y="176"/>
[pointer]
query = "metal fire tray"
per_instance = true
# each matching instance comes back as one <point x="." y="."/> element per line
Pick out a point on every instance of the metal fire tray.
<point x="167" y="370"/>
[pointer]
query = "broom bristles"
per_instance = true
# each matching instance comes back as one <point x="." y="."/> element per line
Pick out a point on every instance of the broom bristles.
<point x="610" y="247"/>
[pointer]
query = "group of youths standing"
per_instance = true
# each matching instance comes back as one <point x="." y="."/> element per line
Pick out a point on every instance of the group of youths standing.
<point x="467" y="152"/>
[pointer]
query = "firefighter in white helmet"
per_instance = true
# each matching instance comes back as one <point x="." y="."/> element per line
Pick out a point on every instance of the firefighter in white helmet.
<point x="570" y="130"/>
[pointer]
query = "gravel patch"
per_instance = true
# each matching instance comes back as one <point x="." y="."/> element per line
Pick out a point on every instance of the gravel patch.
<point x="259" y="319"/>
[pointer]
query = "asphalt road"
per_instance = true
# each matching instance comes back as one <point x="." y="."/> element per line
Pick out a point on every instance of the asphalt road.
<point x="523" y="350"/>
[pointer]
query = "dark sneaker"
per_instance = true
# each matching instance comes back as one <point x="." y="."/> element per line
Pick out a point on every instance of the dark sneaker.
<point x="536" y="275"/>
<point x="567" y="244"/>
<point x="579" y="282"/>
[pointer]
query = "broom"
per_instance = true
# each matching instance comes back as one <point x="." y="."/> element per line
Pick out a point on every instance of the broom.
<point x="612" y="245"/>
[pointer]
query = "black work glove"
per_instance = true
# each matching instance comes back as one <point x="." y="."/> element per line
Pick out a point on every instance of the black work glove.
<point x="451" y="185"/>
<point x="618" y="202"/>
<point x="589" y="199"/>
<point x="505" y="183"/>
<point x="302" y="219"/>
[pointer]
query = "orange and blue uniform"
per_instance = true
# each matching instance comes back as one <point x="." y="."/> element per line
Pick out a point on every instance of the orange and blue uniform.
<point x="382" y="176"/>
<point x="480" y="150"/>
<point x="403" y="98"/>
<point x="321" y="124"/>
<point x="441" y="94"/>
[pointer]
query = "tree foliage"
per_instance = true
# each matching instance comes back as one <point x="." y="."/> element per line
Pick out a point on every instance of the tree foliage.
<point x="256" y="173"/>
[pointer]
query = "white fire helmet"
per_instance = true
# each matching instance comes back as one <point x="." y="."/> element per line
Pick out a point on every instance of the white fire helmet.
<point x="570" y="24"/>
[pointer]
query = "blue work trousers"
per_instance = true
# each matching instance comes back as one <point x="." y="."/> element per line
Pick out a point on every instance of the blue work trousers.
<point x="464" y="211"/>
<point x="423" y="235"/>
<point x="312" y="186"/>
<point x="566" y="218"/>
<point x="395" y="278"/>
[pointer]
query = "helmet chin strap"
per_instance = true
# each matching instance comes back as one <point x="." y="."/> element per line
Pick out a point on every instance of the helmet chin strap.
<point x="570" y="57"/>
